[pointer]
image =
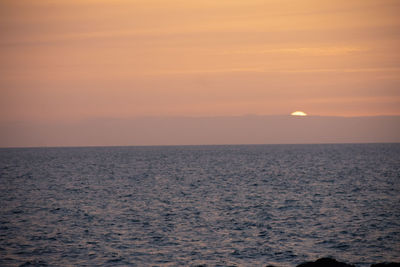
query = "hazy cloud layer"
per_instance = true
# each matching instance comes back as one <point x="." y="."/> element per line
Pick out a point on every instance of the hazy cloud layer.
<point x="205" y="130"/>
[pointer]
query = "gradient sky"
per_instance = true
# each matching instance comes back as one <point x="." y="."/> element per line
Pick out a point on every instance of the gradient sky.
<point x="66" y="60"/>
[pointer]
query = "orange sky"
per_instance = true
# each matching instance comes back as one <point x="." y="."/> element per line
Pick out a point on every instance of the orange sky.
<point x="66" y="60"/>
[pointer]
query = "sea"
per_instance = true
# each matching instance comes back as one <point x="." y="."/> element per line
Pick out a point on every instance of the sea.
<point x="233" y="205"/>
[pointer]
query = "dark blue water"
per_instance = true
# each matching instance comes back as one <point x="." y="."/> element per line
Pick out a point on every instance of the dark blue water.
<point x="213" y="205"/>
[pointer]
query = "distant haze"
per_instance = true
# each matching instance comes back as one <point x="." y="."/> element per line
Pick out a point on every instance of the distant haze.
<point x="202" y="131"/>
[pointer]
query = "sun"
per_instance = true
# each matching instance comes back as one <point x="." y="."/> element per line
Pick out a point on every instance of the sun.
<point x="298" y="113"/>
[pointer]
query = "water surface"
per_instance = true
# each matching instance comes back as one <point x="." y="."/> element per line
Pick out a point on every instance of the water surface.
<point x="213" y="205"/>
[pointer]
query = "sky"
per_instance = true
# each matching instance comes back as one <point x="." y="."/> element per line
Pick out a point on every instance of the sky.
<point x="74" y="60"/>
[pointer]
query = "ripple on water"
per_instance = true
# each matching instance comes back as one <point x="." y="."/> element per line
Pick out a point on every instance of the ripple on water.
<point x="203" y="205"/>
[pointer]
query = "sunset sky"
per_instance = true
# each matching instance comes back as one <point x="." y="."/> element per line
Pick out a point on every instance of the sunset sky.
<point x="66" y="60"/>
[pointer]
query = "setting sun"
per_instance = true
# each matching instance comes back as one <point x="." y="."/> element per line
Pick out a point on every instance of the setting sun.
<point x="298" y="113"/>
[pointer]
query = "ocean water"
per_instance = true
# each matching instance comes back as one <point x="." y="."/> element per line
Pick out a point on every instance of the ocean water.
<point x="200" y="205"/>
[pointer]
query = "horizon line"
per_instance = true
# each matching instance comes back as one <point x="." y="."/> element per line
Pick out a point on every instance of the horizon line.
<point x="198" y="145"/>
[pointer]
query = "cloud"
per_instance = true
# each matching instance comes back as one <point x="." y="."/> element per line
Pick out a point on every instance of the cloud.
<point x="282" y="70"/>
<point x="310" y="51"/>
